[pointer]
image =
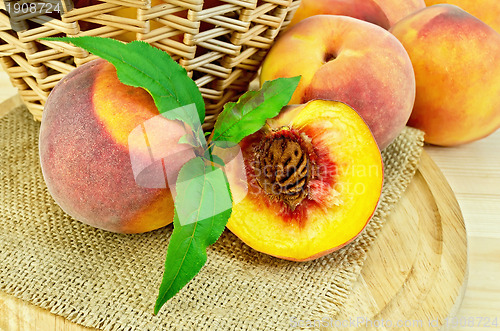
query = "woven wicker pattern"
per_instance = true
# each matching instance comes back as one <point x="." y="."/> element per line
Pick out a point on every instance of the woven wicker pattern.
<point x="220" y="43"/>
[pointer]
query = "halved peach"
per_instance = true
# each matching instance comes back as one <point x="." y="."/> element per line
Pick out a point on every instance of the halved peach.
<point x="314" y="177"/>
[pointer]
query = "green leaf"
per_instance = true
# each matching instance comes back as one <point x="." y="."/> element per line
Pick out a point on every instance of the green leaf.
<point x="188" y="139"/>
<point x="242" y="118"/>
<point x="202" y="209"/>
<point x="188" y="115"/>
<point x="142" y="65"/>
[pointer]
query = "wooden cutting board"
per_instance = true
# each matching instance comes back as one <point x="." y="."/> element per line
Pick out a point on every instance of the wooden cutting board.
<point x="416" y="273"/>
<point x="414" y="277"/>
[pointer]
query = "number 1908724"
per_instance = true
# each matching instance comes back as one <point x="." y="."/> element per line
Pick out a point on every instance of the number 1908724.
<point x="476" y="322"/>
<point x="21" y="8"/>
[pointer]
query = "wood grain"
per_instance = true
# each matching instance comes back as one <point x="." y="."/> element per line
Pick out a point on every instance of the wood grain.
<point x="415" y="270"/>
<point x="415" y="274"/>
<point x="473" y="172"/>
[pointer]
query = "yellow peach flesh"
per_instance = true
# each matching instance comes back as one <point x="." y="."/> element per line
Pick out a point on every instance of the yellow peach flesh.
<point x="353" y="198"/>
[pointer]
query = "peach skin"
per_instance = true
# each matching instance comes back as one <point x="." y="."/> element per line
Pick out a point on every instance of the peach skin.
<point x="487" y="11"/>
<point x="456" y="58"/>
<point x="396" y="10"/>
<point x="85" y="156"/>
<point x="365" y="10"/>
<point x="348" y="60"/>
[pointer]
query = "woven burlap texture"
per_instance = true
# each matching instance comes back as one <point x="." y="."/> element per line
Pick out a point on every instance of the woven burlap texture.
<point x="110" y="281"/>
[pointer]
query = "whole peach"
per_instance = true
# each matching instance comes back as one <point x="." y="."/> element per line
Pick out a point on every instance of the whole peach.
<point x="456" y="58"/>
<point x="87" y="145"/>
<point x="345" y="59"/>
<point x="365" y="10"/>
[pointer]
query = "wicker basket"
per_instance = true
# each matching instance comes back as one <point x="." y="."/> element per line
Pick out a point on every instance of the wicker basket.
<point x="221" y="43"/>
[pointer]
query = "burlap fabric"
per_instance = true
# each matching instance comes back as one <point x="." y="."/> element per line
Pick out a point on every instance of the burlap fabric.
<point x="110" y="281"/>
